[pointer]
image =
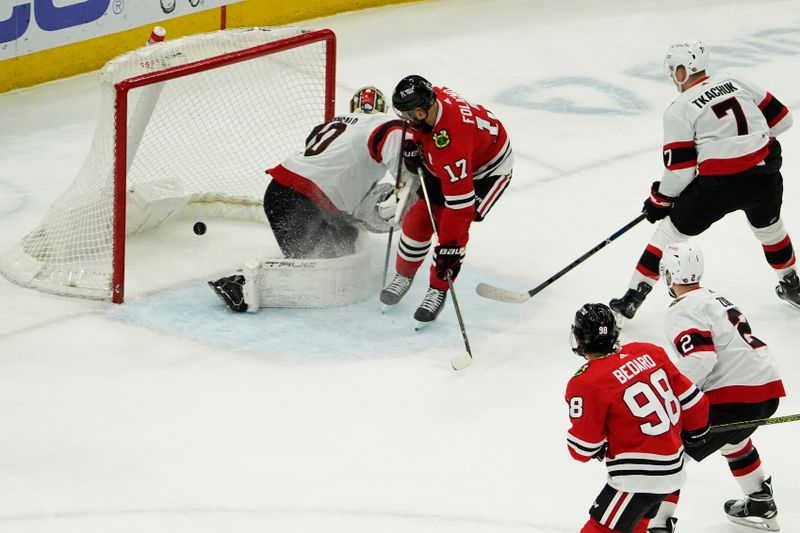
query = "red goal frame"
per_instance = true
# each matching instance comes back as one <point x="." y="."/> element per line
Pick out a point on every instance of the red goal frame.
<point x="121" y="126"/>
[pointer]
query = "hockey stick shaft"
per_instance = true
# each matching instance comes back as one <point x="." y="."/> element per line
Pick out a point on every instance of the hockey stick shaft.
<point x="388" y="255"/>
<point x="754" y="423"/>
<point x="462" y="361"/>
<point x="396" y="186"/>
<point x="488" y="291"/>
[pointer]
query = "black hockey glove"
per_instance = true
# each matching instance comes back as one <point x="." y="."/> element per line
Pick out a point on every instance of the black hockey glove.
<point x="411" y="156"/>
<point x="657" y="205"/>
<point x="695" y="438"/>
<point x="601" y="453"/>
<point x="448" y="259"/>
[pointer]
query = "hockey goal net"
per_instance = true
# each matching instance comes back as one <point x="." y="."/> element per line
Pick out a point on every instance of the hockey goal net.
<point x="185" y="125"/>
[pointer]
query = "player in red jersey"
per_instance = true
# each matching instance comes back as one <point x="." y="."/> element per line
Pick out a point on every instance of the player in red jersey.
<point x="467" y="161"/>
<point x="720" y="155"/>
<point x="632" y="407"/>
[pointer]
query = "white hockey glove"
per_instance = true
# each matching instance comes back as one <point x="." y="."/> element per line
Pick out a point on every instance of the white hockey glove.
<point x="394" y="207"/>
<point x="367" y="212"/>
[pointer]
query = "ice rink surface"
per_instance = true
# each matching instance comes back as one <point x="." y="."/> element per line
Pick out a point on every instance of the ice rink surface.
<point x="170" y="414"/>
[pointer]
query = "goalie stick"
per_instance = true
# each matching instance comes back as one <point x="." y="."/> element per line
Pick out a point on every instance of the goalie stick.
<point x="754" y="423"/>
<point x="517" y="297"/>
<point x="459" y="362"/>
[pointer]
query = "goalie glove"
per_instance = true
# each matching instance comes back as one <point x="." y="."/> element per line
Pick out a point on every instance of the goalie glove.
<point x="367" y="213"/>
<point x="395" y="206"/>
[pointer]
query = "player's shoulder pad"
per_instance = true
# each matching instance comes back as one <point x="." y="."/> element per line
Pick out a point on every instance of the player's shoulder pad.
<point x="638" y="348"/>
<point x="581" y="370"/>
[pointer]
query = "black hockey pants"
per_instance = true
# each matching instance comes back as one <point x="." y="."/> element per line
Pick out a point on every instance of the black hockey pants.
<point x="303" y="229"/>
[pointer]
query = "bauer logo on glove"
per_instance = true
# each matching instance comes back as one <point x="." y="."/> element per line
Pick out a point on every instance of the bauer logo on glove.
<point x="448" y="260"/>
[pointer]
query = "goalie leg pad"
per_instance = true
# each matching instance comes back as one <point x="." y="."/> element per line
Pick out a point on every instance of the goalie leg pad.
<point x="311" y="283"/>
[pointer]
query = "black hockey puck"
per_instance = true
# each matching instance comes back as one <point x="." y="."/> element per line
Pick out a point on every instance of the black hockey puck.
<point x="199" y="228"/>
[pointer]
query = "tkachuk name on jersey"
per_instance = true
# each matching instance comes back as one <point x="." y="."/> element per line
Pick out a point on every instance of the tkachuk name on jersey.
<point x="714" y="92"/>
<point x="631" y="368"/>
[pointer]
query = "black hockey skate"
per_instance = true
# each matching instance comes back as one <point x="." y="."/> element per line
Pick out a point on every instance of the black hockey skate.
<point x="668" y="528"/>
<point x="395" y="290"/>
<point x="631" y="300"/>
<point x="230" y="291"/>
<point x="756" y="510"/>
<point x="431" y="306"/>
<point x="789" y="289"/>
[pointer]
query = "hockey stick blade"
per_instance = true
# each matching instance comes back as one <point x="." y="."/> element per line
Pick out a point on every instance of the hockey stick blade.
<point x="501" y="295"/>
<point x="460" y="362"/>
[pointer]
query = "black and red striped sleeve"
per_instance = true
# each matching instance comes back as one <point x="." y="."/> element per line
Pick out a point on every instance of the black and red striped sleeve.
<point x="679" y="152"/>
<point x="378" y="138"/>
<point x="693" y="340"/>
<point x="680" y="155"/>
<point x="773" y="110"/>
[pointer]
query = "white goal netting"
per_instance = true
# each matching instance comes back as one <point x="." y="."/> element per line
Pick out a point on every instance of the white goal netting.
<point x="199" y="142"/>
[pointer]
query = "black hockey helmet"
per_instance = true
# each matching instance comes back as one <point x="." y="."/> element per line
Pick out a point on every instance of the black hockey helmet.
<point x="594" y="330"/>
<point x="412" y="92"/>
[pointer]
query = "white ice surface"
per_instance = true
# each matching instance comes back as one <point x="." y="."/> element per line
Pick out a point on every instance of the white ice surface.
<point x="169" y="414"/>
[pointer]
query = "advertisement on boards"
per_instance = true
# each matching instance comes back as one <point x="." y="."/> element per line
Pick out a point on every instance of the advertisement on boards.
<point x="28" y="26"/>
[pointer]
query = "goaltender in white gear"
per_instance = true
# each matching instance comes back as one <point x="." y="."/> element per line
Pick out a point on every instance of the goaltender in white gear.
<point x="318" y="201"/>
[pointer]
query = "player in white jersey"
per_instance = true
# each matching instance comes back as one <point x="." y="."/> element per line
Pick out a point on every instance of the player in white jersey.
<point x="720" y="155"/>
<point x="715" y="348"/>
<point x="316" y="196"/>
<point x="320" y="196"/>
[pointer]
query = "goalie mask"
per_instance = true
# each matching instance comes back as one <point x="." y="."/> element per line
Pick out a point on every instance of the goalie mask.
<point x="367" y="100"/>
<point x="681" y="264"/>
<point x="691" y="55"/>
<point x="594" y="331"/>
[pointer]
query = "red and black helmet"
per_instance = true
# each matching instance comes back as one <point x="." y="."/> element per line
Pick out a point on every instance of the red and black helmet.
<point x="367" y="100"/>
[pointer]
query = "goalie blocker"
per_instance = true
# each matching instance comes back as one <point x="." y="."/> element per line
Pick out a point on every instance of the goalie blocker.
<point x="296" y="283"/>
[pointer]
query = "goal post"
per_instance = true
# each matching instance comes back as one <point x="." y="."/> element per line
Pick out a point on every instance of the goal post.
<point x="216" y="111"/>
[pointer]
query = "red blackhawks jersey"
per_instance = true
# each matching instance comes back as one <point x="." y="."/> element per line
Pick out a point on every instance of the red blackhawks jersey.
<point x="467" y="143"/>
<point x="720" y="126"/>
<point x="343" y="159"/>
<point x="637" y="403"/>
<point x="717" y="350"/>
